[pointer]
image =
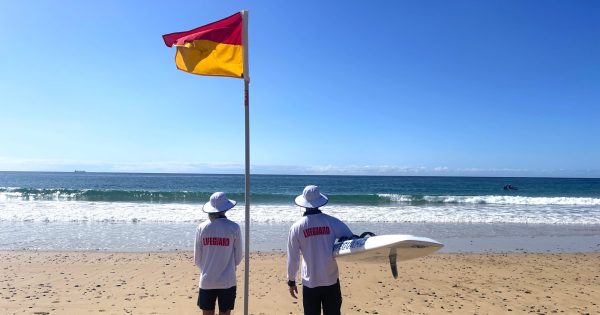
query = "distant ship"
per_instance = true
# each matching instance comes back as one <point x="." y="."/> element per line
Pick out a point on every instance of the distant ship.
<point x="79" y="171"/>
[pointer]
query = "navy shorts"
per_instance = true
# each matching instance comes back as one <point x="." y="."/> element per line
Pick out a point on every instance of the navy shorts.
<point x="207" y="299"/>
<point x="328" y="297"/>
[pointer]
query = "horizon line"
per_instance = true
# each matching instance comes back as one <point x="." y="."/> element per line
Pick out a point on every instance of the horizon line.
<point x="291" y="174"/>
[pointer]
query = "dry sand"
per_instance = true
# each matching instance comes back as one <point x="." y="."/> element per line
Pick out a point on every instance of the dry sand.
<point x="166" y="283"/>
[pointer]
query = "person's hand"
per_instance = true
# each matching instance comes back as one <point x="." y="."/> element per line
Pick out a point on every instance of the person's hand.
<point x="294" y="291"/>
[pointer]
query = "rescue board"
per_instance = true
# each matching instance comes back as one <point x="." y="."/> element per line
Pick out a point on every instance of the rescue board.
<point x="395" y="247"/>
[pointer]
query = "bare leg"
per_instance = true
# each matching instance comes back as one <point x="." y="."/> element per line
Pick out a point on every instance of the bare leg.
<point x="225" y="313"/>
<point x="205" y="312"/>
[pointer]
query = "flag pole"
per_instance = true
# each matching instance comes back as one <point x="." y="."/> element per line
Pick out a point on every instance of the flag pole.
<point x="247" y="158"/>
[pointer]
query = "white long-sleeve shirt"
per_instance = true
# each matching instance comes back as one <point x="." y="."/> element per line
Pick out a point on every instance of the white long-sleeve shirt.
<point x="217" y="251"/>
<point x="314" y="235"/>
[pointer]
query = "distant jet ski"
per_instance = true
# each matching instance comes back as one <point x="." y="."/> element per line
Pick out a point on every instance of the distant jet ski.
<point x="510" y="187"/>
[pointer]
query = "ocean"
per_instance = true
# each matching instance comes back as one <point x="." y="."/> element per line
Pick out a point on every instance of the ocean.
<point x="153" y="212"/>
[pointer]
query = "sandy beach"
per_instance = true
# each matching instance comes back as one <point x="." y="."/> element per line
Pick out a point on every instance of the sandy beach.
<point x="166" y="283"/>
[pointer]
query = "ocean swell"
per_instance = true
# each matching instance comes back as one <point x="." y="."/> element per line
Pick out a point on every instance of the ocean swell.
<point x="146" y="196"/>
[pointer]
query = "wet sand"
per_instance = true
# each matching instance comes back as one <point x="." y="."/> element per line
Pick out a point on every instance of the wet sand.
<point x="166" y="283"/>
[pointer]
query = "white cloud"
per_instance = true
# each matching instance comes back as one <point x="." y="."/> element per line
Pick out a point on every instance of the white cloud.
<point x="7" y="164"/>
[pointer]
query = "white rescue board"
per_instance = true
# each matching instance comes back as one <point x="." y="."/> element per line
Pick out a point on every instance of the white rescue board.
<point x="395" y="247"/>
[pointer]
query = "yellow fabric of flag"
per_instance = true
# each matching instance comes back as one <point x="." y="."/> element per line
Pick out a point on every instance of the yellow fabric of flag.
<point x="213" y="49"/>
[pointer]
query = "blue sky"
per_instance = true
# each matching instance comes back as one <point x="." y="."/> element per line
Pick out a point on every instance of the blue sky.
<point x="475" y="88"/>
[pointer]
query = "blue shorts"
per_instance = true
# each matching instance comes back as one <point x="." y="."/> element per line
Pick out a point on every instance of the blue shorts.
<point x="207" y="299"/>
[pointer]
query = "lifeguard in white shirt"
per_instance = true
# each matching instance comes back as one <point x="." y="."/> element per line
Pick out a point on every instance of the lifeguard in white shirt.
<point x="217" y="252"/>
<point x="313" y="236"/>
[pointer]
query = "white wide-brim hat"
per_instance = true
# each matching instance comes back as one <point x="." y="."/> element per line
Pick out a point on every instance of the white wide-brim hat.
<point x="311" y="197"/>
<point x="218" y="203"/>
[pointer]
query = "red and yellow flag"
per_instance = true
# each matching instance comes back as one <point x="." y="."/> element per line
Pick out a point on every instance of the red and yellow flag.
<point x="213" y="49"/>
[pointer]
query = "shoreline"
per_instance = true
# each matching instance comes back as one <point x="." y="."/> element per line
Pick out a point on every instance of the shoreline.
<point x="165" y="237"/>
<point x="67" y="282"/>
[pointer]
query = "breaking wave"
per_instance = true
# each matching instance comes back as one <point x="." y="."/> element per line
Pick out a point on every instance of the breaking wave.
<point x="147" y="196"/>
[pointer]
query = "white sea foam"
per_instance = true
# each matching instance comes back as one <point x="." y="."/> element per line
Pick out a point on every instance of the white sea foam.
<point x="84" y="211"/>
<point x="396" y="198"/>
<point x="12" y="194"/>
<point x="498" y="199"/>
